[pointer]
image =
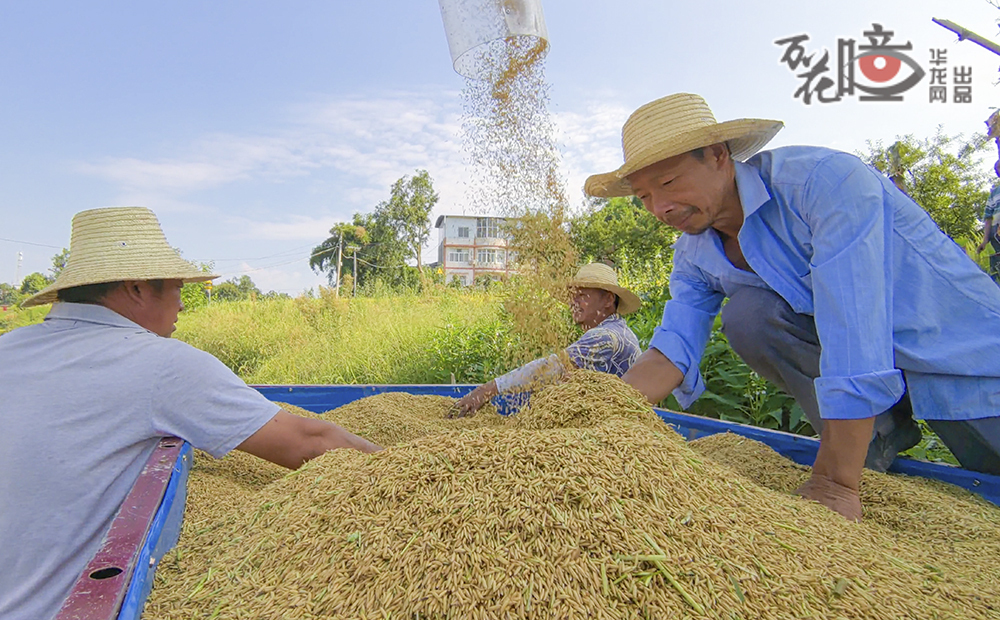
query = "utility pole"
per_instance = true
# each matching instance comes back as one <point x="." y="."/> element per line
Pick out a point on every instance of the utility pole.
<point x="354" y="282"/>
<point x="340" y="253"/>
<point x="17" y="273"/>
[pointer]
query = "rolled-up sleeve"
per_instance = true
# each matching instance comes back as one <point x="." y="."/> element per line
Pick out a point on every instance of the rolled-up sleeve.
<point x="851" y="271"/>
<point x="687" y="324"/>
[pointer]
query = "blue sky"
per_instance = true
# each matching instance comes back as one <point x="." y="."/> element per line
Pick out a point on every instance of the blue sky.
<point x="252" y="127"/>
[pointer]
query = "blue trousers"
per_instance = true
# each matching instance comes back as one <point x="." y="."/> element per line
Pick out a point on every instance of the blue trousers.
<point x="783" y="347"/>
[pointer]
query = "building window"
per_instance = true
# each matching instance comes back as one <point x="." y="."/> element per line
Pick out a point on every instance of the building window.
<point x="487" y="227"/>
<point x="487" y="257"/>
<point x="463" y="232"/>
<point x="458" y="256"/>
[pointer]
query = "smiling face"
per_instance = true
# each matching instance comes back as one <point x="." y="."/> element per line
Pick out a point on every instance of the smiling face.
<point x="691" y="193"/>
<point x="590" y="306"/>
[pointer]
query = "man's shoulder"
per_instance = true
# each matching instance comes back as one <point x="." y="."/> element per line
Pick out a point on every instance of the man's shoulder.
<point x="795" y="165"/>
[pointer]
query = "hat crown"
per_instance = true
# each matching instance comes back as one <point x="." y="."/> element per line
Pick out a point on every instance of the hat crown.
<point x="662" y="120"/>
<point x="597" y="273"/>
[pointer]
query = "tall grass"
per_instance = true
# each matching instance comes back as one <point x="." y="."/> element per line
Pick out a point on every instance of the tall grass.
<point x="390" y="339"/>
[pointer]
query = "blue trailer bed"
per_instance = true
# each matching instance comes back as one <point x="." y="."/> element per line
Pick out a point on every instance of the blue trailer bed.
<point x="116" y="582"/>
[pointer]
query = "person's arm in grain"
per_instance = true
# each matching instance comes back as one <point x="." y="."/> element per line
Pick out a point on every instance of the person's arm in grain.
<point x="290" y="440"/>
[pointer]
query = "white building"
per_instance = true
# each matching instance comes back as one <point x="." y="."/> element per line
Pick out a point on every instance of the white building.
<point x="472" y="246"/>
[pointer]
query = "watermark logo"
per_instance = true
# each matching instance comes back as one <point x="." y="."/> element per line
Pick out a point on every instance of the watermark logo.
<point x="878" y="68"/>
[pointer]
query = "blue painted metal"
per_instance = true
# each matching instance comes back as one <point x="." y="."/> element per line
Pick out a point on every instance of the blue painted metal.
<point x="165" y="529"/>
<point x="161" y="537"/>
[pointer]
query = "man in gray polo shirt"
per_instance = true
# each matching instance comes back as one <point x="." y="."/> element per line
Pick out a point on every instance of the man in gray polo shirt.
<point x="88" y="393"/>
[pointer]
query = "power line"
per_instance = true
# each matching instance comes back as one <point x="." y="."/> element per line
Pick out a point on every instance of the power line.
<point x="41" y="245"/>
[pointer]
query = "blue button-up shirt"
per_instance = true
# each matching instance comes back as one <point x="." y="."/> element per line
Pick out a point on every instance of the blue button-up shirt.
<point x="892" y="295"/>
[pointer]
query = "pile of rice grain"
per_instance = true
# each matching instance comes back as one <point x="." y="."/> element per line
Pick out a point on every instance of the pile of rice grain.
<point x="957" y="529"/>
<point x="614" y="521"/>
<point x="585" y="398"/>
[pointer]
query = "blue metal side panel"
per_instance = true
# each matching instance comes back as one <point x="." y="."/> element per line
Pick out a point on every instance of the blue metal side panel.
<point x="162" y="536"/>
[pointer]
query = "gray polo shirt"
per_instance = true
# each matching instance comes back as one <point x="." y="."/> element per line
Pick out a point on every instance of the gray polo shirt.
<point x="84" y="398"/>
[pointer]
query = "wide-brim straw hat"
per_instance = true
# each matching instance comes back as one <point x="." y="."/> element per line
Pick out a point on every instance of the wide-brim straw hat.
<point x="599" y="275"/>
<point x="673" y="125"/>
<point x="115" y="244"/>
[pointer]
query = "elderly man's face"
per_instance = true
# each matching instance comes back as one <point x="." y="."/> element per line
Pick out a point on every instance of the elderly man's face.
<point x="590" y="306"/>
<point x="685" y="192"/>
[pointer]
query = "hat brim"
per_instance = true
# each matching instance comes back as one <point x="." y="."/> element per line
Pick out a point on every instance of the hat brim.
<point x="628" y="302"/>
<point x="50" y="294"/>
<point x="744" y="137"/>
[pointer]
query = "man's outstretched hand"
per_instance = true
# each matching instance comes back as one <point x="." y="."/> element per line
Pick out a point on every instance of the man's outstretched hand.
<point x="474" y="400"/>
<point x="836" y="497"/>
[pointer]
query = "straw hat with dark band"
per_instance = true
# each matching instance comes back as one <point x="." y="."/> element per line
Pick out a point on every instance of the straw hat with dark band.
<point x="599" y="275"/>
<point x="673" y="125"/>
<point x="115" y="244"/>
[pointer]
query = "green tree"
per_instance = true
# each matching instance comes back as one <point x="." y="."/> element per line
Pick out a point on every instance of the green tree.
<point x="611" y="230"/>
<point x="9" y="294"/>
<point x="385" y="239"/>
<point x="236" y="289"/>
<point x="408" y="211"/>
<point x="34" y="282"/>
<point x="943" y="174"/>
<point x="345" y="238"/>
<point x="59" y="263"/>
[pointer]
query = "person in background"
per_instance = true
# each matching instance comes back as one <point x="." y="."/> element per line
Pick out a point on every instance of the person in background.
<point x="841" y="290"/>
<point x="89" y="392"/>
<point x="991" y="227"/>
<point x="608" y="345"/>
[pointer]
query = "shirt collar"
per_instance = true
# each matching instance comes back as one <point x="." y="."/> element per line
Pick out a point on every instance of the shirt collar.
<point x="753" y="193"/>
<point x="89" y="313"/>
<point x="610" y="318"/>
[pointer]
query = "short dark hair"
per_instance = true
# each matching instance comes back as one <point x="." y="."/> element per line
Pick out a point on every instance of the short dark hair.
<point x="699" y="153"/>
<point x="94" y="293"/>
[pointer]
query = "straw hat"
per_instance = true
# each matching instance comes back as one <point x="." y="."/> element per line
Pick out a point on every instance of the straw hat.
<point x="599" y="275"/>
<point x="673" y="125"/>
<point x="114" y="244"/>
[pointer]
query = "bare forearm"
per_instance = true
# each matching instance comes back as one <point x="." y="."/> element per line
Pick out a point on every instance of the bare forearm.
<point x="654" y="375"/>
<point x="289" y="440"/>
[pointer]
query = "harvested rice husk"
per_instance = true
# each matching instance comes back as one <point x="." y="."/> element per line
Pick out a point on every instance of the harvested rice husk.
<point x="218" y="489"/>
<point x="614" y="521"/>
<point x="956" y="527"/>
<point x="391" y="418"/>
<point x="586" y="398"/>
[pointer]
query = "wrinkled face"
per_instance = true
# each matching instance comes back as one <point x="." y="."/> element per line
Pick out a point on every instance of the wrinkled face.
<point x="591" y="306"/>
<point x="159" y="312"/>
<point x="685" y="192"/>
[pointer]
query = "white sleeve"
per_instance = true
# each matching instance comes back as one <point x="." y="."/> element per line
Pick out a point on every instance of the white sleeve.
<point x="537" y="372"/>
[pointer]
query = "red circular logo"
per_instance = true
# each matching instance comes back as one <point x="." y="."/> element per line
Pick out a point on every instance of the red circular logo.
<point x="873" y="73"/>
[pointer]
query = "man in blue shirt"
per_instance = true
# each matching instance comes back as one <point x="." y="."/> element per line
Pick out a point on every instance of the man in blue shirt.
<point x="841" y="290"/>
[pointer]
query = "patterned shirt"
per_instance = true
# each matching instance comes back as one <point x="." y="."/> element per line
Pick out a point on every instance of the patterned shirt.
<point x="992" y="210"/>
<point x="891" y="294"/>
<point x="609" y="347"/>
